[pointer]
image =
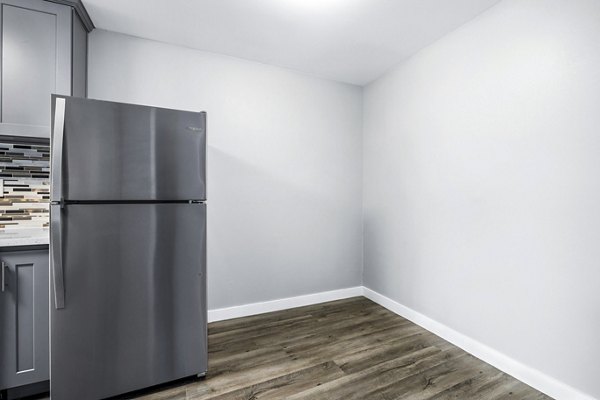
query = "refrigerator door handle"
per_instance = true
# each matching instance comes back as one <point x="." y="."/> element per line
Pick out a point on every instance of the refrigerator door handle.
<point x="3" y="266"/>
<point x="57" y="264"/>
<point x="57" y="149"/>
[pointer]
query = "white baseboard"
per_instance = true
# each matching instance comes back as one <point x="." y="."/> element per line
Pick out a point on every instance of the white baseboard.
<point x="524" y="373"/>
<point x="282" y="304"/>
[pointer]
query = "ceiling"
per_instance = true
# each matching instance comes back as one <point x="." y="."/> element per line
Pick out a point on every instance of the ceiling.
<point x="352" y="41"/>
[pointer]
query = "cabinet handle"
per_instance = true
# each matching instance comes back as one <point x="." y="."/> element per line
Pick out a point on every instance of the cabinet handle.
<point x="3" y="266"/>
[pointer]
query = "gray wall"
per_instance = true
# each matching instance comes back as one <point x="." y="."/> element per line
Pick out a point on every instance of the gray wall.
<point x="482" y="190"/>
<point x="480" y="174"/>
<point x="284" y="170"/>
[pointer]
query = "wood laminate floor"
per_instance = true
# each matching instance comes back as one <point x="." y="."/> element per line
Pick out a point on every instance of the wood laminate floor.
<point x="350" y="349"/>
<point x="347" y="349"/>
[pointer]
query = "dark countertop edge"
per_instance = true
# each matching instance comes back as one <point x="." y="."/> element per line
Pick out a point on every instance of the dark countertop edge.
<point x="24" y="247"/>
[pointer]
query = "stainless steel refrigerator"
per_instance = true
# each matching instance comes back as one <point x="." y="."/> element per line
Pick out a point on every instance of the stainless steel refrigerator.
<point x="128" y="247"/>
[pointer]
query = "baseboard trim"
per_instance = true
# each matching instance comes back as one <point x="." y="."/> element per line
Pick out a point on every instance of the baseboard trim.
<point x="531" y="376"/>
<point x="524" y="373"/>
<point x="282" y="304"/>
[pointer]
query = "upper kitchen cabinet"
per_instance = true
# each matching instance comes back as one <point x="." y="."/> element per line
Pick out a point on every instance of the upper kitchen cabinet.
<point x="44" y="51"/>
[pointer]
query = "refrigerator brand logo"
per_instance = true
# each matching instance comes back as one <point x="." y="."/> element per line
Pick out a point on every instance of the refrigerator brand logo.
<point x="194" y="129"/>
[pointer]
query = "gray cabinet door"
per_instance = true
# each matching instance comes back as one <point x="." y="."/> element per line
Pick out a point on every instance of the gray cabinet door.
<point x="36" y="62"/>
<point x="24" y="330"/>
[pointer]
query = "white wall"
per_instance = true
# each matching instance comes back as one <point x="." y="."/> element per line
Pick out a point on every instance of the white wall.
<point x="481" y="190"/>
<point x="482" y="184"/>
<point x="284" y="170"/>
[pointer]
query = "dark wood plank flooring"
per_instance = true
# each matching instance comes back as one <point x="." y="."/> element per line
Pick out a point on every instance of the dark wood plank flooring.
<point x="347" y="349"/>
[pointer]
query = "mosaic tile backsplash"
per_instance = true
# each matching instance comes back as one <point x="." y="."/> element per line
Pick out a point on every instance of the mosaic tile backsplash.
<point x="25" y="171"/>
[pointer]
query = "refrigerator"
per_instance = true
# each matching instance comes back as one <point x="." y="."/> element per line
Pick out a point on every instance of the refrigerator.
<point x="127" y="247"/>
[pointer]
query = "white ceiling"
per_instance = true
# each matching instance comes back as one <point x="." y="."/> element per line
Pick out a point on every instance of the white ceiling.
<point x="352" y="41"/>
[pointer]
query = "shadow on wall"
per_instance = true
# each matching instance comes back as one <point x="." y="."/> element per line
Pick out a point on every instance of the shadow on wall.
<point x="270" y="238"/>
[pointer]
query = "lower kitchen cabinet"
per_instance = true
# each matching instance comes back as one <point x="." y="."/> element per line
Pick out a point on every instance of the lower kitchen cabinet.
<point x="24" y="323"/>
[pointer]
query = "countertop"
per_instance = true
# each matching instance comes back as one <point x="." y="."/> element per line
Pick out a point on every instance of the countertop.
<point x="24" y="237"/>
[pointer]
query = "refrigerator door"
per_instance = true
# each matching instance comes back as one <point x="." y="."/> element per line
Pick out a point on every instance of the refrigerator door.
<point x="134" y="307"/>
<point x="106" y="151"/>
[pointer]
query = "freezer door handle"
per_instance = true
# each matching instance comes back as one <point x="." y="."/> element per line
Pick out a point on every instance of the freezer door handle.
<point x="56" y="250"/>
<point x="3" y="266"/>
<point x="57" y="148"/>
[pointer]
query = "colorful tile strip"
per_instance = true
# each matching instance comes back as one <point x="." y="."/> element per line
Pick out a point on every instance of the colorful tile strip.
<point x="25" y="171"/>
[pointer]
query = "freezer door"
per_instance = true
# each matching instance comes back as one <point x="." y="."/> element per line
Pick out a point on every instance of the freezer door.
<point x="113" y="151"/>
<point x="134" y="310"/>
